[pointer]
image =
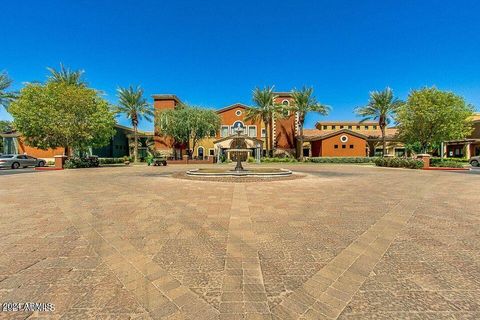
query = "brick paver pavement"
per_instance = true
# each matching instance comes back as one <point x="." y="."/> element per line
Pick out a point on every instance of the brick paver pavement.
<point x="347" y="242"/>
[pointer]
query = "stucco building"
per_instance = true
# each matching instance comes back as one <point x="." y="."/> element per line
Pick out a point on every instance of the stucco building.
<point x="468" y="147"/>
<point x="350" y="139"/>
<point x="281" y="133"/>
<point x="329" y="139"/>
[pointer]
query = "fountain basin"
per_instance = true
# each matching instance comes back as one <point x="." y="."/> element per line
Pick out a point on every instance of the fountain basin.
<point x="254" y="172"/>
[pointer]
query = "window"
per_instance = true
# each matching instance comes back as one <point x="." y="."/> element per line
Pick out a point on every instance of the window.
<point x="200" y="153"/>
<point x="350" y="127"/>
<point x="341" y="127"/>
<point x="306" y="152"/>
<point x="335" y="146"/>
<point x="358" y="127"/>
<point x="366" y="127"/>
<point x="374" y="127"/>
<point x="211" y="152"/>
<point x="252" y="131"/>
<point x="238" y="113"/>
<point x="238" y="126"/>
<point x="224" y="131"/>
<point x="333" y="127"/>
<point x="264" y="132"/>
<point x="344" y="146"/>
<point x="351" y="146"/>
<point x="399" y="152"/>
<point x="325" y="127"/>
<point x="286" y="102"/>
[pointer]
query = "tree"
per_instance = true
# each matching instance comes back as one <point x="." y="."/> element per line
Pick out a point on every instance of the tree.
<point x="264" y="109"/>
<point x="381" y="107"/>
<point x="135" y="107"/>
<point x="57" y="114"/>
<point x="172" y="123"/>
<point x="431" y="116"/>
<point x="304" y="102"/>
<point x="188" y="125"/>
<point x="4" y="127"/>
<point x="203" y="123"/>
<point x="66" y="76"/>
<point x="6" y="97"/>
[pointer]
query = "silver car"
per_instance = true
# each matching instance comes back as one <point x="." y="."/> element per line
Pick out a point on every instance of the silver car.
<point x="475" y="161"/>
<point x="16" y="161"/>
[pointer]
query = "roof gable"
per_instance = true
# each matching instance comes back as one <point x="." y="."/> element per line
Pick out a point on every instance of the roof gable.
<point x="336" y="133"/>
<point x="233" y="106"/>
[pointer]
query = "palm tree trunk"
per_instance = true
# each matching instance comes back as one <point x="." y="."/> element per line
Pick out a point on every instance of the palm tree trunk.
<point x="266" y="139"/>
<point x="135" y="147"/>
<point x="382" y="128"/>
<point x="300" y="142"/>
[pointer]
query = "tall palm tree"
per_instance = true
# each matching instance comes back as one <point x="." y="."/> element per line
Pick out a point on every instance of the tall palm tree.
<point x="67" y="76"/>
<point x="6" y="97"/>
<point x="382" y="107"/>
<point x="264" y="109"/>
<point x="135" y="107"/>
<point x="303" y="102"/>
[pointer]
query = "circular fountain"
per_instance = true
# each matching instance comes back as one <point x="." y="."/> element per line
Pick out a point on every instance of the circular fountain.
<point x="238" y="153"/>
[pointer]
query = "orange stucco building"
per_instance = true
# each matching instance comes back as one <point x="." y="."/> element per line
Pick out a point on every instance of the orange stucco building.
<point x="350" y="139"/>
<point x="281" y="132"/>
<point x="329" y="139"/>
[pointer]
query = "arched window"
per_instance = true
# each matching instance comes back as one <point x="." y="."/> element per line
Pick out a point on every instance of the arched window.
<point x="238" y="126"/>
<point x="200" y="153"/>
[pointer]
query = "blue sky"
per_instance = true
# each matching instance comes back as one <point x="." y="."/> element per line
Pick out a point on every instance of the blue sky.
<point x="213" y="53"/>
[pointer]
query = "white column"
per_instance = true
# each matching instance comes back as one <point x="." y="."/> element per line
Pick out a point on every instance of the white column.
<point x="467" y="150"/>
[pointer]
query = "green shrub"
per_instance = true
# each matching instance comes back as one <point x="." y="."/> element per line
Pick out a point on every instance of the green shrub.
<point x="276" y="159"/>
<point x="399" y="163"/>
<point x="111" y="160"/>
<point x="50" y="163"/>
<point x="251" y="160"/>
<point x="439" y="162"/>
<point x="341" y="159"/>
<point x="447" y="164"/>
<point x="76" y="162"/>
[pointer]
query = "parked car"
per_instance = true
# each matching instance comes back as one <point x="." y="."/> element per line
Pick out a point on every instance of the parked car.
<point x="16" y="161"/>
<point x="475" y="161"/>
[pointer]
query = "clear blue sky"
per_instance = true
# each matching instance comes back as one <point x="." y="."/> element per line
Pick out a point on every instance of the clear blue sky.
<point x="213" y="53"/>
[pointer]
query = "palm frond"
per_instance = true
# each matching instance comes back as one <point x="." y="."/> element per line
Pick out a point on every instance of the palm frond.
<point x="6" y="97"/>
<point x="304" y="101"/>
<point x="66" y="76"/>
<point x="381" y="107"/>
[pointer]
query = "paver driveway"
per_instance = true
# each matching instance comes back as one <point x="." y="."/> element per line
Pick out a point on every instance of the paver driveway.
<point x="348" y="242"/>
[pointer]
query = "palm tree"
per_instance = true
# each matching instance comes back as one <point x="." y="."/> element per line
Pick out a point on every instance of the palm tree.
<point x="6" y="97"/>
<point x="67" y="76"/>
<point x="382" y="107"/>
<point x="304" y="102"/>
<point x="264" y="109"/>
<point x="135" y="107"/>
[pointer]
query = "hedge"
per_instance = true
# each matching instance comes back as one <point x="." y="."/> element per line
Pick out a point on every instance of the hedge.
<point x="113" y="160"/>
<point x="399" y="163"/>
<point x="438" y="162"/>
<point x="269" y="160"/>
<point x="447" y="164"/>
<point x="341" y="159"/>
<point x="76" y="162"/>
